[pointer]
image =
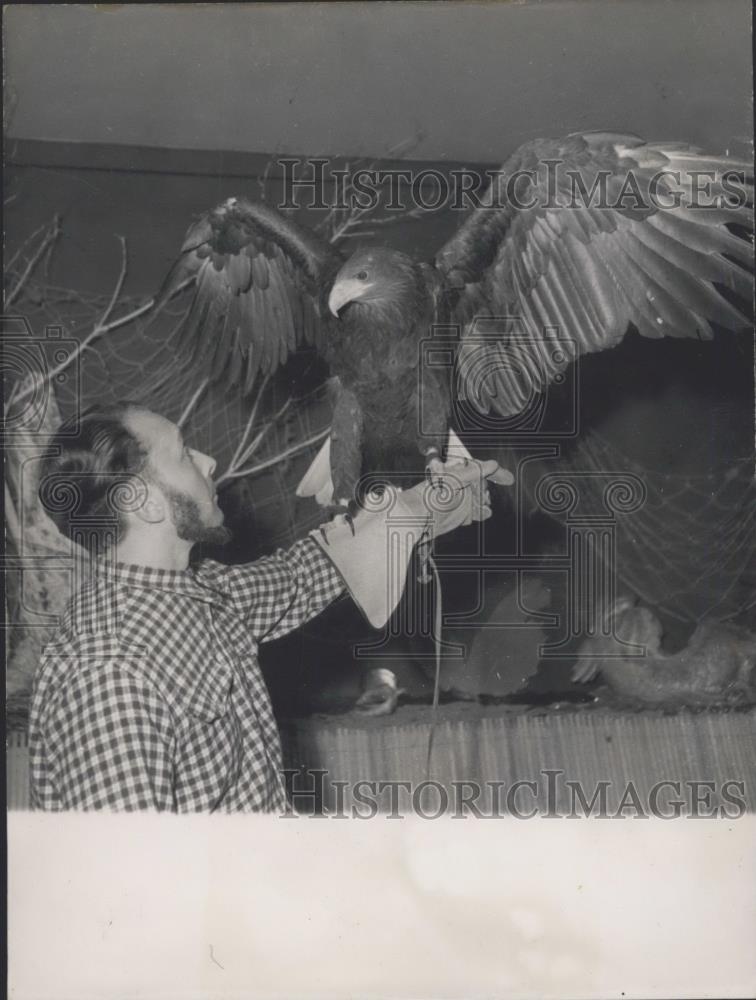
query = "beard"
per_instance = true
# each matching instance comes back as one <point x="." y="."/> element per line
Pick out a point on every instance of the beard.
<point x="187" y="520"/>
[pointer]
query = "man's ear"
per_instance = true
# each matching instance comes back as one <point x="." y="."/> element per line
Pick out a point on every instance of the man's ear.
<point x="154" y="508"/>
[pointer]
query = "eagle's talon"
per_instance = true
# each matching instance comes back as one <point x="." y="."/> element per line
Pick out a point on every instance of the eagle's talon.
<point x="341" y="513"/>
<point x="344" y="517"/>
<point x="434" y="472"/>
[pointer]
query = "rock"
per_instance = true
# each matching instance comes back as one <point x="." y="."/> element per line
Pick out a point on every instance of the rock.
<point x="716" y="667"/>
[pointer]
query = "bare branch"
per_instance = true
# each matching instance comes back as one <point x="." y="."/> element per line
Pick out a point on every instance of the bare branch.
<point x="275" y="459"/>
<point x="258" y="438"/>
<point x="98" y="331"/>
<point x="192" y="402"/>
<point x="405" y="145"/>
<point x="250" y="423"/>
<point x="346" y="221"/>
<point x="27" y="241"/>
<point x="262" y="181"/>
<point x="119" y="283"/>
<point x="51" y="236"/>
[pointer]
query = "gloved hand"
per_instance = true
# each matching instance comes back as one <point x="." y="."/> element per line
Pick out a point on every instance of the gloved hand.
<point x="373" y="552"/>
<point x="455" y="497"/>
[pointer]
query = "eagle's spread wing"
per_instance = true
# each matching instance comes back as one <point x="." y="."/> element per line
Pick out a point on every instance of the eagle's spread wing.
<point x="582" y="237"/>
<point x="258" y="292"/>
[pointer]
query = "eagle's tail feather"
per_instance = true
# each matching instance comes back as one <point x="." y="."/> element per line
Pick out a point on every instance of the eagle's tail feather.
<point x="317" y="481"/>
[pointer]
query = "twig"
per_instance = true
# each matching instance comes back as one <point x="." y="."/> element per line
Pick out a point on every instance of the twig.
<point x="26" y="242"/>
<point x="405" y="145"/>
<point x="97" y="332"/>
<point x="262" y="181"/>
<point x="119" y="283"/>
<point x="192" y="402"/>
<point x="352" y="218"/>
<point x="275" y="460"/>
<point x="356" y="219"/>
<point x="258" y="438"/>
<point x="51" y="236"/>
<point x="250" y="421"/>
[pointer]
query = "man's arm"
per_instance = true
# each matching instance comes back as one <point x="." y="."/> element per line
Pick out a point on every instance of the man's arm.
<point x="103" y="743"/>
<point x="280" y="592"/>
<point x="369" y="556"/>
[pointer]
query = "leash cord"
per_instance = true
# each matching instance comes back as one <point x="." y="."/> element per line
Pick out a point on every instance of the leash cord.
<point x="438" y="618"/>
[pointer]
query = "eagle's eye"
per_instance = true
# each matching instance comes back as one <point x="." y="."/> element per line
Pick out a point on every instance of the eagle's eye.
<point x="362" y="275"/>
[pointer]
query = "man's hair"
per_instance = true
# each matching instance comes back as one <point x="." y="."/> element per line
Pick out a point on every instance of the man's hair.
<point x="93" y="460"/>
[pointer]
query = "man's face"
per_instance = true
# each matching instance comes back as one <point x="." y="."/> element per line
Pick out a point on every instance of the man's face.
<point x="182" y="475"/>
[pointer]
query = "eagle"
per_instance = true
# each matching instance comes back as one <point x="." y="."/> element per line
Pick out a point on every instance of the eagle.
<point x="576" y="240"/>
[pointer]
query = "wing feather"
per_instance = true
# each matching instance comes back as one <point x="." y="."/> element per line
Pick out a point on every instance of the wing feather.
<point x="713" y="239"/>
<point x="287" y="340"/>
<point x="708" y="266"/>
<point x="239" y="272"/>
<point x="258" y="288"/>
<point x="699" y="296"/>
<point x="224" y="343"/>
<point x="260" y="271"/>
<point x="607" y="233"/>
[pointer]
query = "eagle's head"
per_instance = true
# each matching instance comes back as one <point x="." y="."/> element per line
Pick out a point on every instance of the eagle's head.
<point x="375" y="275"/>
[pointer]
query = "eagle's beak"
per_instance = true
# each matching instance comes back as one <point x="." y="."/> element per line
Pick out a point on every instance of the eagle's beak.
<point x="346" y="290"/>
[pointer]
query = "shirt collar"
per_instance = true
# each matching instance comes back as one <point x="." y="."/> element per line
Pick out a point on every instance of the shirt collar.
<point x="172" y="581"/>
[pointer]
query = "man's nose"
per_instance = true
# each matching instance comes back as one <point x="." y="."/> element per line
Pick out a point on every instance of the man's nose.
<point x="208" y="464"/>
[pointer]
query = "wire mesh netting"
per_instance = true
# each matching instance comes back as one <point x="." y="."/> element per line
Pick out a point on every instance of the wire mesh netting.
<point x="689" y="548"/>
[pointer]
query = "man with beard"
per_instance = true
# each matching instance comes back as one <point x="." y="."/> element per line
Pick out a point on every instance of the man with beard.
<point x="150" y="694"/>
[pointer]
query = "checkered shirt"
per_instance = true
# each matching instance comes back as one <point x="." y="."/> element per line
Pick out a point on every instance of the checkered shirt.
<point x="150" y="696"/>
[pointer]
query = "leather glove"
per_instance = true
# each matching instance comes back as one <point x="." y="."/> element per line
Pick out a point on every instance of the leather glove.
<point x="372" y="552"/>
<point x="455" y="497"/>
